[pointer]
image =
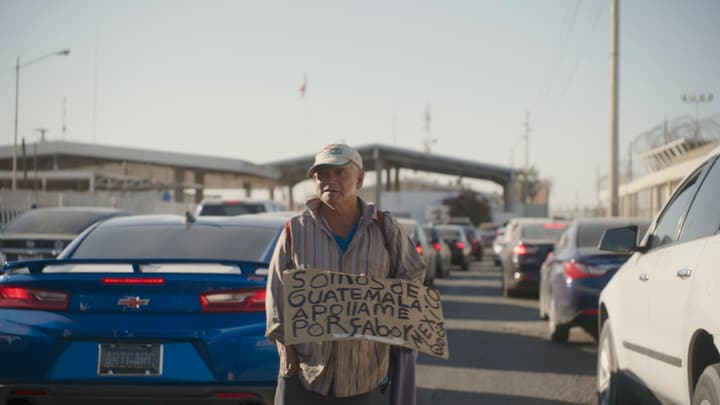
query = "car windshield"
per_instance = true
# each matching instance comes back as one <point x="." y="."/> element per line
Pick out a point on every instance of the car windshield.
<point x="428" y="233"/>
<point x="41" y="221"/>
<point x="163" y="242"/>
<point x="589" y="235"/>
<point x="542" y="231"/>
<point x="450" y="234"/>
<point x="469" y="231"/>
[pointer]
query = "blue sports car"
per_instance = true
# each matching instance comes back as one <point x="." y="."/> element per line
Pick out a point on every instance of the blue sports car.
<point x="143" y="309"/>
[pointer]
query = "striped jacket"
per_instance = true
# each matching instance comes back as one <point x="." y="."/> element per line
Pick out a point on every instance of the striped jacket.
<point x="345" y="367"/>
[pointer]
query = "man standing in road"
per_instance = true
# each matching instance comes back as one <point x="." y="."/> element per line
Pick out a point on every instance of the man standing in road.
<point x="338" y="231"/>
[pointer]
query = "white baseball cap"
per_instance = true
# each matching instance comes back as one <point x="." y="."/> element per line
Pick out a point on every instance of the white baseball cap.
<point x="336" y="154"/>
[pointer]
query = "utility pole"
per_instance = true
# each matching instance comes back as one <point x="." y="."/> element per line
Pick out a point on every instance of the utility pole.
<point x="42" y="133"/>
<point x="630" y="163"/>
<point x="64" y="114"/>
<point x="428" y="141"/>
<point x="526" y="183"/>
<point x="24" y="163"/>
<point x="614" y="71"/>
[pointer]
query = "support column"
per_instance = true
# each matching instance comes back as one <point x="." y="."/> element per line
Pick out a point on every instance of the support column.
<point x="199" y="192"/>
<point x="291" y="202"/>
<point x="397" y="179"/>
<point x="378" y="176"/>
<point x="272" y="193"/>
<point x="388" y="183"/>
<point x="509" y="194"/>
<point x="248" y="189"/>
<point x="179" y="177"/>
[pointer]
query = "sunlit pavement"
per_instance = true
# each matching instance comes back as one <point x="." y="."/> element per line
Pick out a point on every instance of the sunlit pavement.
<point x="499" y="352"/>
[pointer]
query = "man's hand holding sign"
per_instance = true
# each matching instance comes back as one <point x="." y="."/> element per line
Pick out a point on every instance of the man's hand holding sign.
<point x="325" y="305"/>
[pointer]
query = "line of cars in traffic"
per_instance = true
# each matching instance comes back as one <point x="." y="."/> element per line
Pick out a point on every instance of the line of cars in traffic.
<point x="147" y="308"/>
<point x="648" y="291"/>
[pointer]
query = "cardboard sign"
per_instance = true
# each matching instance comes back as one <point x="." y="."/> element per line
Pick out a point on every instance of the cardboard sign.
<point x="324" y="305"/>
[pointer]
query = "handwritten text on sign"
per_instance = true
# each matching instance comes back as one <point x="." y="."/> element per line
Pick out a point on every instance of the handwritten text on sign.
<point x="324" y="305"/>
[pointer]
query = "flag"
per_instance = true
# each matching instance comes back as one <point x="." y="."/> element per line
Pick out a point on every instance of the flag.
<point x="303" y="86"/>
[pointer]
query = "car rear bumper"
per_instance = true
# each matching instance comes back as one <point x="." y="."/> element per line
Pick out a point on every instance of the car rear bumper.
<point x="82" y="394"/>
<point x="577" y="304"/>
<point x="524" y="278"/>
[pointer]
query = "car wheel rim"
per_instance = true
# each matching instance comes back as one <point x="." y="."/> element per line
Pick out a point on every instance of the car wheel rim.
<point x="604" y="371"/>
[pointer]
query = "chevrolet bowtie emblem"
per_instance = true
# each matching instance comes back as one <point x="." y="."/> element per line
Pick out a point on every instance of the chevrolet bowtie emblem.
<point x="133" y="302"/>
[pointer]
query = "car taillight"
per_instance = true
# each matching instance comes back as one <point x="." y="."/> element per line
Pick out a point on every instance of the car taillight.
<point x="574" y="270"/>
<point x="460" y="245"/>
<point x="436" y="246"/>
<point x="419" y="249"/>
<point x="29" y="393"/>
<point x="522" y="249"/>
<point x="133" y="281"/>
<point x="32" y="298"/>
<point x="250" y="300"/>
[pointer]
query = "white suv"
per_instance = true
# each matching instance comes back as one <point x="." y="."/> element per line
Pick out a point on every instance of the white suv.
<point x="660" y="314"/>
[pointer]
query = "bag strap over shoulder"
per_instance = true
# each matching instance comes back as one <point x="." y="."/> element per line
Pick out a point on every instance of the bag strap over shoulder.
<point x="288" y="234"/>
<point x="381" y="222"/>
<point x="383" y="229"/>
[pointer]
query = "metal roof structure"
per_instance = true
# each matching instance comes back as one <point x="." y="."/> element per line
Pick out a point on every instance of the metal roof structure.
<point x="377" y="157"/>
<point x="61" y="165"/>
<point x="158" y="169"/>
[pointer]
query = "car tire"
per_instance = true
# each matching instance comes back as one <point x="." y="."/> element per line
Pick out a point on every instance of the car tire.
<point x="557" y="332"/>
<point x="610" y="388"/>
<point x="465" y="265"/>
<point x="707" y="391"/>
<point x="541" y="310"/>
<point x="439" y="268"/>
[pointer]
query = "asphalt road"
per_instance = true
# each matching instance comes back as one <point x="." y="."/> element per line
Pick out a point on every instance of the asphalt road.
<point x="499" y="352"/>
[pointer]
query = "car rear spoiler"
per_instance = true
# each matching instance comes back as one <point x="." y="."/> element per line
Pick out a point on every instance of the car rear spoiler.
<point x="36" y="266"/>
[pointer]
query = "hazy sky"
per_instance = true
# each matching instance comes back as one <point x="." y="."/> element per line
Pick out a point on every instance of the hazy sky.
<point x="221" y="77"/>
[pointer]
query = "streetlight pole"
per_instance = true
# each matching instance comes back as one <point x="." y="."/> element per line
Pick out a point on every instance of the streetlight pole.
<point x="697" y="99"/>
<point x="64" y="52"/>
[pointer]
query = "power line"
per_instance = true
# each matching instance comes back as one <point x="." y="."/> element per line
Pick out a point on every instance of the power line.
<point x="541" y="88"/>
<point x="561" y="44"/>
<point x="581" y="54"/>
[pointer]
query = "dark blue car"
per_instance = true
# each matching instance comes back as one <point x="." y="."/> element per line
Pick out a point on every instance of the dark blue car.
<point x="574" y="274"/>
<point x="143" y="309"/>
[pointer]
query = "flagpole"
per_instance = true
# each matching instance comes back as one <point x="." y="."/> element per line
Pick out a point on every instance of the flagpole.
<point x="305" y="147"/>
<point x="303" y="89"/>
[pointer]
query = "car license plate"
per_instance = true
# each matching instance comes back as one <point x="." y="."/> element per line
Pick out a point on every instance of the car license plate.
<point x="130" y="359"/>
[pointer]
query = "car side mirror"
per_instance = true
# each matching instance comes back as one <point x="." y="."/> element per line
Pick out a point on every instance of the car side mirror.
<point x="621" y="240"/>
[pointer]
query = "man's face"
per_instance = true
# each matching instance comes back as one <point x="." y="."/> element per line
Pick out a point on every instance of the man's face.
<point x="337" y="185"/>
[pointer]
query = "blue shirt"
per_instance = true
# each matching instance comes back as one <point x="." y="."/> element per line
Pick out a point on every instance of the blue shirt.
<point x="343" y="243"/>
